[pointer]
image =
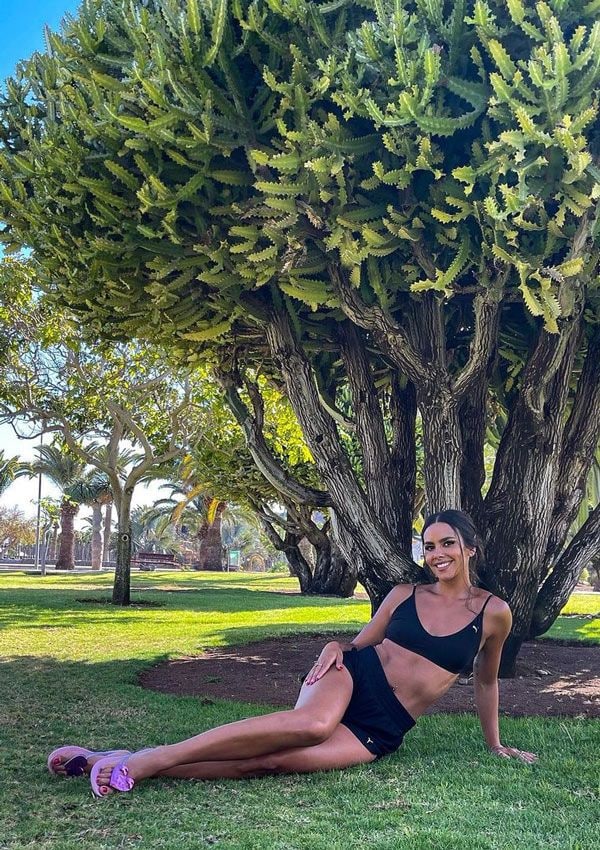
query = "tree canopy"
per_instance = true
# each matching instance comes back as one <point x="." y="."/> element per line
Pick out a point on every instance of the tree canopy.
<point x="390" y="206"/>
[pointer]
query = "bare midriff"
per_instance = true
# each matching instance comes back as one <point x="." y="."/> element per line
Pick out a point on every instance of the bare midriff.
<point x="416" y="681"/>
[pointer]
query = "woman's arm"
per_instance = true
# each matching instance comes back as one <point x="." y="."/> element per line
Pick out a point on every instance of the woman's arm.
<point x="372" y="634"/>
<point x="485" y="672"/>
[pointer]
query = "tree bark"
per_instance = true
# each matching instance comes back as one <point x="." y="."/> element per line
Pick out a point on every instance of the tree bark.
<point x="322" y="438"/>
<point x="66" y="553"/>
<point x="289" y="544"/>
<point x="386" y="472"/>
<point x="122" y="585"/>
<point x="106" y="535"/>
<point x="520" y="500"/>
<point x="472" y="418"/>
<point x="96" y="535"/>
<point x="442" y="446"/>
<point x="210" y="550"/>
<point x="582" y="434"/>
<point x="403" y="457"/>
<point x="333" y="575"/>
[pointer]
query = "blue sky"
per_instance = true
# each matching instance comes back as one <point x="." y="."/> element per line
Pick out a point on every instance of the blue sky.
<point x="22" y="25"/>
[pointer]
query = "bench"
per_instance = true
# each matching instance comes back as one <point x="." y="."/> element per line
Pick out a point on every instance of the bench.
<point x="147" y="561"/>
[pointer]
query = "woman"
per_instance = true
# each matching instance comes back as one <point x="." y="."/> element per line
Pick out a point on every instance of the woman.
<point x="359" y="699"/>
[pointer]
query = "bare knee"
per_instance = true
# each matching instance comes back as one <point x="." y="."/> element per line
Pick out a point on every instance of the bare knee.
<point x="311" y="729"/>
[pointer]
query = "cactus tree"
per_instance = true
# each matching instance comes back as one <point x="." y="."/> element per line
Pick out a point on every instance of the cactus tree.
<point x="387" y="201"/>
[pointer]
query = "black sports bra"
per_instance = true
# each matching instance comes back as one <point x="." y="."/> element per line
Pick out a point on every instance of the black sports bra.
<point x="453" y="652"/>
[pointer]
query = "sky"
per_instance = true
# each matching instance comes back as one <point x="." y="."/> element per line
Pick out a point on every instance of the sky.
<point x="22" y="25"/>
<point x="23" y="492"/>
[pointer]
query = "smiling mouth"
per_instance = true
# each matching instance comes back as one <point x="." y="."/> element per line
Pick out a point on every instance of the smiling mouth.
<point x="442" y="565"/>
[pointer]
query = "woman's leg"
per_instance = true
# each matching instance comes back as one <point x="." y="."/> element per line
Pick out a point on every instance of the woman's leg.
<point x="341" y="750"/>
<point x="316" y="716"/>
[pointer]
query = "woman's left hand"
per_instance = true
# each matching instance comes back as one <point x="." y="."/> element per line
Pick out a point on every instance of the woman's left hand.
<point x="513" y="753"/>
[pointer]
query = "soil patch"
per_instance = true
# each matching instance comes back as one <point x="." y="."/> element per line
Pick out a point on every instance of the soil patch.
<point x="551" y="681"/>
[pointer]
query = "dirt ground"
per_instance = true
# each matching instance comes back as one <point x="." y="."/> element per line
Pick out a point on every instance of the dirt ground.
<point x="551" y="679"/>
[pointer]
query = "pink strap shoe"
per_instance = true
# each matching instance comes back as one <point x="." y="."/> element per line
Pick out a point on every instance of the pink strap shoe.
<point x="119" y="778"/>
<point x="75" y="759"/>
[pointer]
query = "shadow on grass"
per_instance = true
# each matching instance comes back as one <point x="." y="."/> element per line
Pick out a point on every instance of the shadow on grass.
<point x="47" y="703"/>
<point x="55" y="608"/>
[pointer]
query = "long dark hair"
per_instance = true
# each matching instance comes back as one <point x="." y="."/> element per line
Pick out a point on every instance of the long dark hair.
<point x="464" y="528"/>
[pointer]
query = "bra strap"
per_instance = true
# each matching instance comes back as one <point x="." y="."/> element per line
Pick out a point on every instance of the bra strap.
<point x="484" y="604"/>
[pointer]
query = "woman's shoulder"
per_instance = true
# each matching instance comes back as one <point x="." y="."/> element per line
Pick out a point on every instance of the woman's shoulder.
<point x="497" y="611"/>
<point x="398" y="594"/>
<point x="494" y="604"/>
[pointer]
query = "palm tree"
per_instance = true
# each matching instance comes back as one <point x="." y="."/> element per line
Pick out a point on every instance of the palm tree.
<point x="201" y="514"/>
<point x="62" y="469"/>
<point x="124" y="458"/>
<point x="93" y="490"/>
<point x="10" y="468"/>
<point x="150" y="533"/>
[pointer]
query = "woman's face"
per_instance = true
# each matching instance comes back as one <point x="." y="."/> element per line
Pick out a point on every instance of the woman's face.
<point x="445" y="552"/>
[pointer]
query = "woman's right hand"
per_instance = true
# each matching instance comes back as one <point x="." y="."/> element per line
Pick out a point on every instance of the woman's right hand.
<point x="331" y="654"/>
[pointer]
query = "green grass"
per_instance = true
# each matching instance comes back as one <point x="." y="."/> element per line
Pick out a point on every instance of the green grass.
<point x="69" y="673"/>
<point x="581" y="620"/>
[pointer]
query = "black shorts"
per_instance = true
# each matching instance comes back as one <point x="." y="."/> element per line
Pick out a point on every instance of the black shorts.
<point x="374" y="715"/>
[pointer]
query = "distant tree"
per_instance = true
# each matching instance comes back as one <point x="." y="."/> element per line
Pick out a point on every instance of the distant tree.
<point x="102" y="399"/>
<point x="252" y="451"/>
<point x="95" y="491"/>
<point x="63" y="468"/>
<point x="16" y="530"/>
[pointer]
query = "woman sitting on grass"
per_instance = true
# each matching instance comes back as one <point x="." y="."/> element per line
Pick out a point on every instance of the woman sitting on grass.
<point x="359" y="699"/>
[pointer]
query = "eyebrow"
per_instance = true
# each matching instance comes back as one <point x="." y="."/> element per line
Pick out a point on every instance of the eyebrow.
<point x="442" y="539"/>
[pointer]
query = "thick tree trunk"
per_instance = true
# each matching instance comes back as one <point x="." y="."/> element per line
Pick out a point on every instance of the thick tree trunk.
<point x="403" y="458"/>
<point x="387" y="470"/>
<point x="438" y="406"/>
<point x="510" y="651"/>
<point x="442" y="447"/>
<point x="322" y="438"/>
<point x="472" y="418"/>
<point x="66" y="553"/>
<point x="96" y="536"/>
<point x="106" y="534"/>
<point x="373" y="577"/>
<point x="333" y="575"/>
<point x="299" y="566"/>
<point x="520" y="501"/>
<point x="122" y="584"/>
<point x="519" y="511"/>
<point x="582" y="433"/>
<point x="210" y="550"/>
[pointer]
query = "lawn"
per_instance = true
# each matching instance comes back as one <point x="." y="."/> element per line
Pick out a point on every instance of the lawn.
<point x="69" y="674"/>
